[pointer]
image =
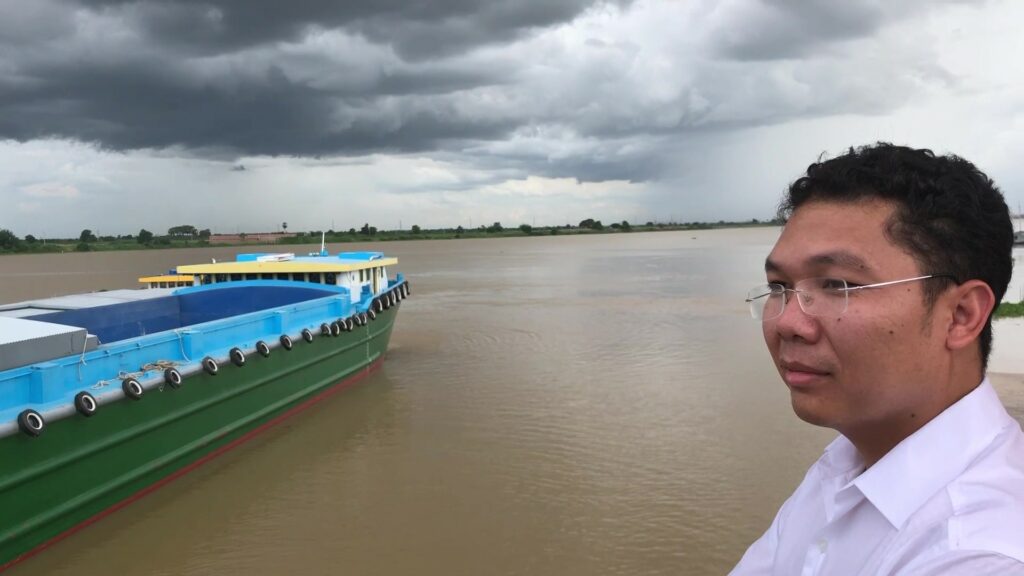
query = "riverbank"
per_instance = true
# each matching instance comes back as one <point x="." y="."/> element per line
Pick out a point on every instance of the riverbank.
<point x="10" y="244"/>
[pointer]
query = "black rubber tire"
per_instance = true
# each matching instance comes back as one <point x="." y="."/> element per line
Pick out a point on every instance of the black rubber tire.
<point x="132" y="389"/>
<point x="31" y="422"/>
<point x="335" y="328"/>
<point x="85" y="404"/>
<point x="237" y="357"/>
<point x="307" y="335"/>
<point x="286" y="342"/>
<point x="173" y="378"/>
<point x="263" y="348"/>
<point x="325" y="329"/>
<point x="371" y="314"/>
<point x="210" y="366"/>
<point x="350" y="324"/>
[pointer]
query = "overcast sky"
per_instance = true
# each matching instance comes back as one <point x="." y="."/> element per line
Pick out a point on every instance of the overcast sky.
<point x="237" y="115"/>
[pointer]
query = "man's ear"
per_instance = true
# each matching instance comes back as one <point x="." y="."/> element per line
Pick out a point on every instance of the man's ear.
<point x="972" y="303"/>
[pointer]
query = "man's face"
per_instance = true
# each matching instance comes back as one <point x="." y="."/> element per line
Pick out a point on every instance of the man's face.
<point x="869" y="367"/>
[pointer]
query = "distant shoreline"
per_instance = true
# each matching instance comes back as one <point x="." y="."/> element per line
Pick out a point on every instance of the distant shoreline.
<point x="284" y="241"/>
<point x="131" y="243"/>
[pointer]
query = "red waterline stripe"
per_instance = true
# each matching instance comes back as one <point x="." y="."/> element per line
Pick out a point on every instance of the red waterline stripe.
<point x="332" y="390"/>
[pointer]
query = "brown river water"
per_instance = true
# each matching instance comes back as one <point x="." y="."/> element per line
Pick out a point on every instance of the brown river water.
<point x="549" y="405"/>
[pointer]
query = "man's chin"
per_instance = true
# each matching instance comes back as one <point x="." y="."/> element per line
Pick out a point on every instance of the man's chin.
<point x="811" y="410"/>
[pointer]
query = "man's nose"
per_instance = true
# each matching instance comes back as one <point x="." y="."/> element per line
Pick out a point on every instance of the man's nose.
<point x="794" y="323"/>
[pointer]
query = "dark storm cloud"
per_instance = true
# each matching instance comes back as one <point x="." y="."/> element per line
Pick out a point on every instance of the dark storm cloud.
<point x="781" y="29"/>
<point x="476" y="80"/>
<point x="774" y="29"/>
<point x="214" y="76"/>
<point x="124" y="108"/>
<point x="414" y="29"/>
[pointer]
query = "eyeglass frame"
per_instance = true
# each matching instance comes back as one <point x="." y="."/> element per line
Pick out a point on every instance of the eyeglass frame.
<point x="845" y="290"/>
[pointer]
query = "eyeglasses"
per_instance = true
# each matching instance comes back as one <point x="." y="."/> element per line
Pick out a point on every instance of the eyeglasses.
<point x="817" y="296"/>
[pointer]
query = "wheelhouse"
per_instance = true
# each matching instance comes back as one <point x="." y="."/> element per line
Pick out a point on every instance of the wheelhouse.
<point x="360" y="272"/>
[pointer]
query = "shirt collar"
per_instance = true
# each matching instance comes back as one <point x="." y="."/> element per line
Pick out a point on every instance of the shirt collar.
<point x="929" y="459"/>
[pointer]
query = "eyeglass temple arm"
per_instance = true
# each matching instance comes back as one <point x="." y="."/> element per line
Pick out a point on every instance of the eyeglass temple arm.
<point x="891" y="282"/>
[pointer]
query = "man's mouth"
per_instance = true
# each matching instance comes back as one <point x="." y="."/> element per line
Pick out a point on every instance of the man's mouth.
<point x="799" y="375"/>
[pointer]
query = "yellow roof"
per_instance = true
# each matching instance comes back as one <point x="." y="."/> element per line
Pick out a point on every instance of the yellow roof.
<point x="296" y="266"/>
<point x="167" y="278"/>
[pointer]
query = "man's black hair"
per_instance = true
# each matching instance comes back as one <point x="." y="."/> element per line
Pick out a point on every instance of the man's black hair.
<point x="949" y="215"/>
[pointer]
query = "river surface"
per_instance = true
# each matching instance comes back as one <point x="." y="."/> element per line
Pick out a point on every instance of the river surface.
<point x="549" y="406"/>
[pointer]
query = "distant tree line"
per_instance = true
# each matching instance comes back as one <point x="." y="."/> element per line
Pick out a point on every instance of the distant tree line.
<point x="188" y="235"/>
<point x="88" y="240"/>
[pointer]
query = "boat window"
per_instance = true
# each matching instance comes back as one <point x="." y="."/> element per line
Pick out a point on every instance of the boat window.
<point x="282" y="275"/>
<point x="330" y="278"/>
<point x="266" y="276"/>
<point x="299" y="276"/>
<point x="252" y="276"/>
<point x="236" y="277"/>
<point x="220" y="278"/>
<point x="204" y="279"/>
<point x="314" y="277"/>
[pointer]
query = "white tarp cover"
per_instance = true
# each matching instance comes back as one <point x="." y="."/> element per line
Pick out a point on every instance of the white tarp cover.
<point x="24" y="342"/>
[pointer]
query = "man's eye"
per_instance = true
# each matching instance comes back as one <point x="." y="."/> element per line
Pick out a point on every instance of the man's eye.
<point x="834" y="284"/>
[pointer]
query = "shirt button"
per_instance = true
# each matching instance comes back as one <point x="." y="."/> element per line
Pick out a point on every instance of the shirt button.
<point x="822" y="545"/>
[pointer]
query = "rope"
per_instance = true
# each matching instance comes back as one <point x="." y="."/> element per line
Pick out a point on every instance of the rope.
<point x="121" y="375"/>
<point x="81" y="359"/>
<point x="158" y="365"/>
<point x="181" y="344"/>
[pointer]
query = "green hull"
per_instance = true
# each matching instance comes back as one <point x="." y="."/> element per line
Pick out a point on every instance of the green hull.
<point x="81" y="468"/>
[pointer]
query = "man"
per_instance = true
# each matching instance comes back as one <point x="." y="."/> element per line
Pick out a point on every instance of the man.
<point x="877" y="314"/>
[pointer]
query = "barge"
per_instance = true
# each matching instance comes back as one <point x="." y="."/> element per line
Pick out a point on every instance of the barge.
<point x="105" y="397"/>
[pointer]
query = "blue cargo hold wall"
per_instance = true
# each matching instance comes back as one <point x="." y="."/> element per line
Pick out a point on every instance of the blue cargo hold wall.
<point x="187" y="307"/>
<point x="204" y="304"/>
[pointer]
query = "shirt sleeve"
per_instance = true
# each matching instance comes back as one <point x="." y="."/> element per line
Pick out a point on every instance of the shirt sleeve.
<point x="966" y="563"/>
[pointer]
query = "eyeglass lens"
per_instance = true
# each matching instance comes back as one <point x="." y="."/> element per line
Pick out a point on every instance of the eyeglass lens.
<point x="817" y="297"/>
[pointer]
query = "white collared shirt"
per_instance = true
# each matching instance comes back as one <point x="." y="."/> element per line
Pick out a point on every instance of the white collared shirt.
<point x="949" y="499"/>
